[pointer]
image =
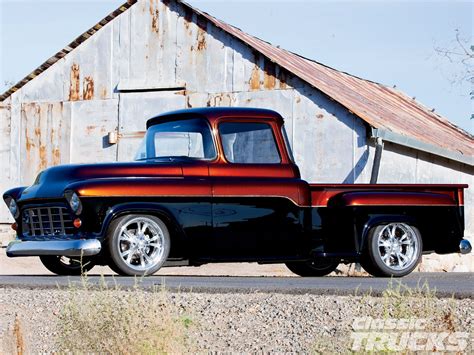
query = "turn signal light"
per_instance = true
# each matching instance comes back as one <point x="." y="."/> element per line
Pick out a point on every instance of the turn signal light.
<point x="14" y="226"/>
<point x="77" y="223"/>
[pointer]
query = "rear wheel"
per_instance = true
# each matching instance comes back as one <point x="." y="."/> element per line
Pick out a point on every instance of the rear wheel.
<point x="319" y="267"/>
<point x="138" y="245"/>
<point x="393" y="249"/>
<point x="63" y="265"/>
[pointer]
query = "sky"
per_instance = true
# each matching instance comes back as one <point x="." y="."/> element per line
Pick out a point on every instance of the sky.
<point x="390" y="42"/>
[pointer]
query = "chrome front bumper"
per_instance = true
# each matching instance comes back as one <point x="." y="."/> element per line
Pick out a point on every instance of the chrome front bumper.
<point x="465" y="246"/>
<point x="81" y="247"/>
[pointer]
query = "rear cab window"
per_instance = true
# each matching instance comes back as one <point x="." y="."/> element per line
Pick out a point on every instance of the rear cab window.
<point x="249" y="143"/>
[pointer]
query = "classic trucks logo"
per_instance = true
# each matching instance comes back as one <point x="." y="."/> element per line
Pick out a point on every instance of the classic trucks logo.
<point x="372" y="334"/>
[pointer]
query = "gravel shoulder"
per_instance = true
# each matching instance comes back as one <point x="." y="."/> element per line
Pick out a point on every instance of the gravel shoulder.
<point x="239" y="322"/>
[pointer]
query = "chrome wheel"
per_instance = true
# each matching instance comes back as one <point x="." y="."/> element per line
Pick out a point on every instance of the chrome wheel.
<point x="141" y="243"/>
<point x="398" y="246"/>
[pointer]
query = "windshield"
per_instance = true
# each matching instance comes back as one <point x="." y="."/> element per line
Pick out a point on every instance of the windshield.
<point x="188" y="138"/>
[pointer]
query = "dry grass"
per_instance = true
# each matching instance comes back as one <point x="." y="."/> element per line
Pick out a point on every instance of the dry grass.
<point x="396" y="302"/>
<point x="113" y="321"/>
<point x="15" y="342"/>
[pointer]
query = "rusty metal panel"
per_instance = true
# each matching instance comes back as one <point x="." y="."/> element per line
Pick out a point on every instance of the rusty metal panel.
<point x="153" y="43"/>
<point x="120" y="50"/>
<point x="204" y="56"/>
<point x="324" y="145"/>
<point x="135" y="109"/>
<point x="88" y="69"/>
<point x="91" y="123"/>
<point x="44" y="140"/>
<point x="5" y="171"/>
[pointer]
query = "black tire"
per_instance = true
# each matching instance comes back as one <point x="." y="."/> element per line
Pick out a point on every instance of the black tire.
<point x="407" y="243"/>
<point x="132" y="247"/>
<point x="314" y="268"/>
<point x="65" y="266"/>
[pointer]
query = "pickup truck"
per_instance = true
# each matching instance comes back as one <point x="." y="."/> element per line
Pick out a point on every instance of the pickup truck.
<point x="221" y="185"/>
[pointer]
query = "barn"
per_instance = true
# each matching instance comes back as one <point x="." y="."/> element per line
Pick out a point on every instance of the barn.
<point x="90" y="101"/>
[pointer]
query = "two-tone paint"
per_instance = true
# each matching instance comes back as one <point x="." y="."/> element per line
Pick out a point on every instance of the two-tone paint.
<point x="221" y="211"/>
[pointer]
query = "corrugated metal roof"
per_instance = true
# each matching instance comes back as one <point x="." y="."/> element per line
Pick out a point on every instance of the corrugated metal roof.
<point x="383" y="108"/>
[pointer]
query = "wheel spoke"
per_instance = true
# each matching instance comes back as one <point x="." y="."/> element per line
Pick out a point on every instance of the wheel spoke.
<point x="147" y="258"/>
<point x="392" y="230"/>
<point x="126" y="236"/>
<point x="402" y="258"/>
<point x="144" y="227"/>
<point x="128" y="258"/>
<point x="142" y="260"/>
<point x="155" y="237"/>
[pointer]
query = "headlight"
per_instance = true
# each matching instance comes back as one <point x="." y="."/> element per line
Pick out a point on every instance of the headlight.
<point x="74" y="202"/>
<point x="14" y="208"/>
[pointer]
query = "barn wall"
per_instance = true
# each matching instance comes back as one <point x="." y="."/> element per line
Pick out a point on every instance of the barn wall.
<point x="66" y="113"/>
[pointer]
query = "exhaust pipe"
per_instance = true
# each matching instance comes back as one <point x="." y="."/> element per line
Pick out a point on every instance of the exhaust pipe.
<point x="465" y="247"/>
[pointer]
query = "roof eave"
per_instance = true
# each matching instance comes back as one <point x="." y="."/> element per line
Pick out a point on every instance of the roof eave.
<point x="410" y="142"/>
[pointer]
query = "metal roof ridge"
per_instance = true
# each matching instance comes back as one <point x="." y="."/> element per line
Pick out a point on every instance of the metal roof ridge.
<point x="67" y="49"/>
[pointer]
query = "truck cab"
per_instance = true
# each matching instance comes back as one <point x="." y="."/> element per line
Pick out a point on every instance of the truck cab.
<point x="221" y="185"/>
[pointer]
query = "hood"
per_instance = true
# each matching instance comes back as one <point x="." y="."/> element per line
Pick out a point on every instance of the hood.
<point x="52" y="182"/>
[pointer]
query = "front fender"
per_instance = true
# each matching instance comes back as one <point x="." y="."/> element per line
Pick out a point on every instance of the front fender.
<point x="15" y="192"/>
<point x="155" y="209"/>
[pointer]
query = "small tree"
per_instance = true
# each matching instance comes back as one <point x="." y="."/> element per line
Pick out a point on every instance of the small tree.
<point x="460" y="53"/>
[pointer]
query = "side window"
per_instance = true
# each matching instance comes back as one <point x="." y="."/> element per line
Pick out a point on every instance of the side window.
<point x="249" y="143"/>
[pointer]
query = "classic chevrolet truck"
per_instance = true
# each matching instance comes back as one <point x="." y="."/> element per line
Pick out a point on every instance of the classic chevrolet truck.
<point x="221" y="185"/>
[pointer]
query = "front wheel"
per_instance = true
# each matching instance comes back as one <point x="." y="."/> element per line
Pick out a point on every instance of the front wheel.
<point x="138" y="245"/>
<point x="66" y="266"/>
<point x="392" y="249"/>
<point x="312" y="268"/>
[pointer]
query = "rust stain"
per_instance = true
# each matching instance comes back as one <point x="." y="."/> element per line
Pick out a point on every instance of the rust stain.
<point x="188" y="17"/>
<point x="283" y="79"/>
<point x="201" y="35"/>
<point x="90" y="128"/>
<point x="75" y="84"/>
<point x="155" y="16"/>
<point x="103" y="92"/>
<point x="319" y="115"/>
<point x="29" y="144"/>
<point x="88" y="85"/>
<point x="43" y="157"/>
<point x="255" y="78"/>
<point x="18" y="335"/>
<point x="298" y="99"/>
<point x="269" y="79"/>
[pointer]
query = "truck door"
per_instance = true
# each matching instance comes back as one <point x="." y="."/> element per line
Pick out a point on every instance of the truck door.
<point x="255" y="195"/>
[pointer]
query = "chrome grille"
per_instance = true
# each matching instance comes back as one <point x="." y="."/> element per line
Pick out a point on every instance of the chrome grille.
<point x="47" y="222"/>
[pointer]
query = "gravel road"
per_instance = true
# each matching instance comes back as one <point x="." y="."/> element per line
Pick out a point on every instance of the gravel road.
<point x="252" y="322"/>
